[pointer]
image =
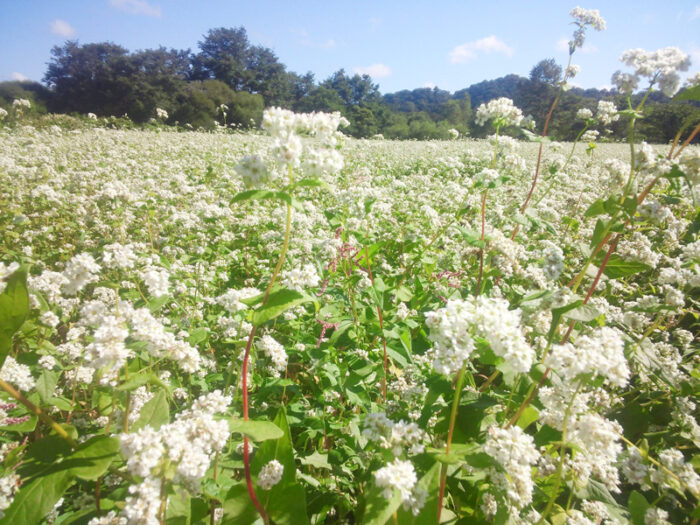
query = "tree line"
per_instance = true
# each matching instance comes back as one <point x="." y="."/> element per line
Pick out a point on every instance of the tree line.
<point x="230" y="81"/>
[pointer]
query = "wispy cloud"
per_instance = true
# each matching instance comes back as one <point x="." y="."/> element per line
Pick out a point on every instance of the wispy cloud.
<point x="429" y="85"/>
<point x="563" y="44"/>
<point x="62" y="28"/>
<point x="374" y="71"/>
<point x="471" y="50"/>
<point x="696" y="13"/>
<point x="306" y="40"/>
<point x="19" y="77"/>
<point x="374" y="23"/>
<point x="137" y="7"/>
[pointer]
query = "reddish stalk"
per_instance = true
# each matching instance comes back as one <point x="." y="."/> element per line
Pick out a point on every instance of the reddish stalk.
<point x="483" y="236"/>
<point x="539" y="162"/>
<point x="381" y="327"/>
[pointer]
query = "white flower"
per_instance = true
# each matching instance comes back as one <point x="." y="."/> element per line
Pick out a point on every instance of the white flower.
<point x="161" y="114"/>
<point x="399" y="475"/>
<point x="270" y="475"/>
<point x="501" y="111"/>
<point x="253" y="171"/>
<point x="584" y="114"/>
<point x="275" y="352"/>
<point x="18" y="375"/>
<point x="607" y="112"/>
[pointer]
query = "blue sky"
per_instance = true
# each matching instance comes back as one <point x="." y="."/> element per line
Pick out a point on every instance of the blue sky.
<point x="402" y="45"/>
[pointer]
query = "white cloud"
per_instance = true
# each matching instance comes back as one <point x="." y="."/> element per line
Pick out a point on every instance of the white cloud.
<point x="305" y="40"/>
<point x="694" y="52"/>
<point x="62" y="28"/>
<point x="470" y="50"/>
<point x="136" y="7"/>
<point x="374" y="71"/>
<point x="328" y="44"/>
<point x="606" y="87"/>
<point x="588" y="49"/>
<point x="696" y="13"/>
<point x="19" y="77"/>
<point x="563" y="44"/>
<point x="429" y="85"/>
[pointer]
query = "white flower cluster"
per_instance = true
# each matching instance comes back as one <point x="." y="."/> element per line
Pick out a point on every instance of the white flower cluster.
<point x="553" y="260"/>
<point x="8" y="486"/>
<point x="187" y="444"/>
<point x="501" y="111"/>
<point x="584" y="114"/>
<point x="232" y="299"/>
<point x="3" y="113"/>
<point x="607" y="112"/>
<point x="300" y="278"/>
<point x="270" y="475"/>
<point x="21" y="103"/>
<point x="156" y="280"/>
<point x="275" y="353"/>
<point x="161" y="114"/>
<point x="584" y="18"/>
<point x="253" y="171"/>
<point x="590" y="135"/>
<point x="601" y="353"/>
<point x="401" y="475"/>
<point x="662" y="66"/>
<point x="80" y="271"/>
<point x="119" y="256"/>
<point x="674" y="461"/>
<point x="451" y="330"/>
<point x="17" y="374"/>
<point x="394" y="436"/>
<point x="516" y="453"/>
<point x="598" y="441"/>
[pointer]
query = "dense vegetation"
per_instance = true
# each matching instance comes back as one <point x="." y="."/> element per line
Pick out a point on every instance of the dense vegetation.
<point x="230" y="81"/>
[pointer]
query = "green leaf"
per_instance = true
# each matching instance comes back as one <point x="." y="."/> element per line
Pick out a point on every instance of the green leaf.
<point x="135" y="381"/>
<point x="266" y="195"/>
<point x="583" y="313"/>
<point x="378" y="509"/>
<point x="279" y="302"/>
<point x="92" y="459"/>
<point x="637" y="505"/>
<point x="618" y="267"/>
<point x="312" y="183"/>
<point x="529" y="416"/>
<point x="14" y="309"/>
<point x="46" y="384"/>
<point x="35" y="499"/>
<point x="255" y="430"/>
<point x="595" y="209"/>
<point x="692" y="93"/>
<point x="238" y="509"/>
<point x="154" y="413"/>
<point x="430" y="482"/>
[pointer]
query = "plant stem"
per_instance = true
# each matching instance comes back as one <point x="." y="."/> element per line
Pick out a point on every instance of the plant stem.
<point x="453" y="418"/>
<point x="246" y="356"/>
<point x="38" y="412"/>
<point x="483" y="236"/>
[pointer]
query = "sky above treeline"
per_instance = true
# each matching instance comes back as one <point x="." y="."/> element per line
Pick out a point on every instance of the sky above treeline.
<point x="400" y="44"/>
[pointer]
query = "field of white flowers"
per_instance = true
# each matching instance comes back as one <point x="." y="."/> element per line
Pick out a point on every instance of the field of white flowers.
<point x="296" y="327"/>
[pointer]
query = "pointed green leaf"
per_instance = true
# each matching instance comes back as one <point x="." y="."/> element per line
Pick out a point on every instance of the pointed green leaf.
<point x="155" y="413"/>
<point x="278" y="303"/>
<point x="255" y="430"/>
<point x="35" y="499"/>
<point x="14" y="309"/>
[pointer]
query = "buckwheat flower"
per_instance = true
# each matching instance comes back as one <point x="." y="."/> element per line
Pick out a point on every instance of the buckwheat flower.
<point x="516" y="453"/>
<point x="119" y="256"/>
<point x="590" y="135"/>
<point x="397" y="475"/>
<point x="110" y="518"/>
<point x="48" y="362"/>
<point x="270" y="475"/>
<point x="287" y="151"/>
<point x="501" y="111"/>
<point x="161" y="114"/>
<point x="662" y="66"/>
<point x="18" y="375"/>
<point x="656" y="516"/>
<point x="301" y="278"/>
<point x="450" y="332"/>
<point x="143" y="506"/>
<point x="3" y="113"/>
<point x="572" y="71"/>
<point x="80" y="271"/>
<point x="584" y="114"/>
<point x="488" y="176"/>
<point x="5" y="272"/>
<point x="8" y="486"/>
<point x="625" y="82"/>
<point x="253" y="171"/>
<point x="92" y="116"/>
<point x="275" y="352"/>
<point x="232" y="299"/>
<point x="49" y="319"/>
<point x="584" y="18"/>
<point x="156" y="280"/>
<point x="607" y="112"/>
<point x="20" y="103"/>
